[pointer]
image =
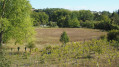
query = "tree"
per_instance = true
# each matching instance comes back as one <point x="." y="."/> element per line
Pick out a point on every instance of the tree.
<point x="87" y="24"/>
<point x="60" y="16"/>
<point x="31" y="45"/>
<point x="115" y="18"/>
<point x="105" y="18"/>
<point x="64" y="38"/>
<point x="40" y="18"/>
<point x="107" y="13"/>
<point x="85" y="15"/>
<point x="74" y="23"/>
<point x="15" y="21"/>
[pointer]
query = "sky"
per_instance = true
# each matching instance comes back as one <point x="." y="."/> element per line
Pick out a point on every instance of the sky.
<point x="93" y="5"/>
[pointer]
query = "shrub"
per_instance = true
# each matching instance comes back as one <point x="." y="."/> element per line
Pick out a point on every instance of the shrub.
<point x="4" y="62"/>
<point x="64" y="38"/>
<point x="103" y="37"/>
<point x="114" y="26"/>
<point x="113" y="35"/>
<point x="31" y="45"/>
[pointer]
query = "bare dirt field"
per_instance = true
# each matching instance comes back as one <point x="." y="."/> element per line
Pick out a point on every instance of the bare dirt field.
<point x="52" y="35"/>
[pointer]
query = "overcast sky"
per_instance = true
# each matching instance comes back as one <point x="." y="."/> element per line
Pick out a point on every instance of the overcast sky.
<point x="93" y="5"/>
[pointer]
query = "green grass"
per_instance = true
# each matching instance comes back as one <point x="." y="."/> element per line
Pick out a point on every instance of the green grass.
<point x="44" y="38"/>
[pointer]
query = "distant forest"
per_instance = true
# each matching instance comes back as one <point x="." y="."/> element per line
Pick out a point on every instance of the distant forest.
<point x="64" y="18"/>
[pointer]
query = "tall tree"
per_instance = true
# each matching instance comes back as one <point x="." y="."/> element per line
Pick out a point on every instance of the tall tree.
<point x="15" y="21"/>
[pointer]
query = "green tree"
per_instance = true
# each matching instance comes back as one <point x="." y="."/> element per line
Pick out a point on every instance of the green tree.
<point x="64" y="38"/>
<point x="60" y="16"/>
<point x="85" y="15"/>
<point x="107" y="13"/>
<point x="104" y="18"/>
<point x="87" y="24"/>
<point x="74" y="23"/>
<point x="40" y="18"/>
<point x="115" y="18"/>
<point x="15" y="21"/>
<point x="31" y="45"/>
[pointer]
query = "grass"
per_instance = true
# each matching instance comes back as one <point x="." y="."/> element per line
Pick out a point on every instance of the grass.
<point x="46" y="36"/>
<point x="51" y="36"/>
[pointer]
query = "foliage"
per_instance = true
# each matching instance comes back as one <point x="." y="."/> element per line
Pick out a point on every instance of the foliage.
<point x="25" y="55"/>
<point x="17" y="22"/>
<point x="85" y="15"/>
<point x="114" y="27"/>
<point x="64" y="38"/>
<point x="30" y="45"/>
<point x="93" y="51"/>
<point x="4" y="62"/>
<point x="74" y="23"/>
<point x="74" y="19"/>
<point x="52" y="24"/>
<point x="87" y="24"/>
<point x="40" y="18"/>
<point x="103" y="25"/>
<point x="113" y="35"/>
<point x="115" y="18"/>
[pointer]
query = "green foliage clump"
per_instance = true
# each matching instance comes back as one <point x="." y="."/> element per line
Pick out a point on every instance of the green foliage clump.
<point x="113" y="35"/>
<point x="114" y="27"/>
<point x="74" y="23"/>
<point x="15" y="21"/>
<point x="4" y="62"/>
<point x="64" y="38"/>
<point x="103" y="25"/>
<point x="85" y="15"/>
<point x="30" y="45"/>
<point x="25" y="55"/>
<point x="52" y="24"/>
<point x="40" y="18"/>
<point x="94" y="51"/>
<point x="87" y="24"/>
<point x="46" y="50"/>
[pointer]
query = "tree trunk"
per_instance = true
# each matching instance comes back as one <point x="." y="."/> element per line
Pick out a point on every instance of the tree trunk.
<point x="0" y="39"/>
<point x="2" y="16"/>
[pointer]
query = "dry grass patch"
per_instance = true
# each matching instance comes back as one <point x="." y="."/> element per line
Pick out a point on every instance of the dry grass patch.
<point x="52" y="35"/>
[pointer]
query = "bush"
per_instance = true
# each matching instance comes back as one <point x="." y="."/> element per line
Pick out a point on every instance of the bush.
<point x="4" y="62"/>
<point x="114" y="26"/>
<point x="113" y="35"/>
<point x="103" y="37"/>
<point x="64" y="38"/>
<point x="31" y="45"/>
<point x="87" y="24"/>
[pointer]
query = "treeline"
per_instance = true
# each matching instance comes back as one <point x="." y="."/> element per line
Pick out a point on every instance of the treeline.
<point x="74" y="19"/>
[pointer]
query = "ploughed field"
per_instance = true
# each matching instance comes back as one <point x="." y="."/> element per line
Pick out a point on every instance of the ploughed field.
<point x="52" y="35"/>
